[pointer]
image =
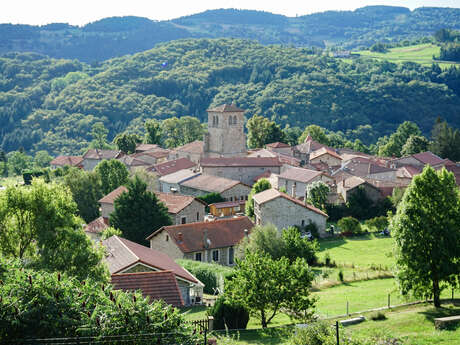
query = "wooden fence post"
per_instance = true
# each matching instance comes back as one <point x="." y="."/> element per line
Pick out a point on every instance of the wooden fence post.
<point x="210" y="323"/>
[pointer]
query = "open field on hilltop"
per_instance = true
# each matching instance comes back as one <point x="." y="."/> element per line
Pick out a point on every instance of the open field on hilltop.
<point x="421" y="53"/>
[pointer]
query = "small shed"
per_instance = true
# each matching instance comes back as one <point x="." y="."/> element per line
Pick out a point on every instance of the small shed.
<point x="227" y="208"/>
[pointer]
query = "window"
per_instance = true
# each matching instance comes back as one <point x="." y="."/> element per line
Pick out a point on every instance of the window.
<point x="183" y="220"/>
<point x="198" y="216"/>
<point x="231" y="198"/>
<point x="197" y="256"/>
<point x="167" y="238"/>
<point x="215" y="255"/>
<point x="231" y="254"/>
<point x="303" y="222"/>
<point x="246" y="197"/>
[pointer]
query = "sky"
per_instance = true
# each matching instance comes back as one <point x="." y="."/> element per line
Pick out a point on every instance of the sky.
<point x="80" y="12"/>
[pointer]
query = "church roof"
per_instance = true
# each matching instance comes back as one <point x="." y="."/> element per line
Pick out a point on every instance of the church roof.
<point x="226" y="108"/>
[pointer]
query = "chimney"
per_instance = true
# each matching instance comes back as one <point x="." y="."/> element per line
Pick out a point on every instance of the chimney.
<point x="180" y="238"/>
<point x="294" y="185"/>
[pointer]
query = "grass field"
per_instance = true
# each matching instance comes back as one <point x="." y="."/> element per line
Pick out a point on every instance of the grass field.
<point x="421" y="53"/>
<point x="10" y="181"/>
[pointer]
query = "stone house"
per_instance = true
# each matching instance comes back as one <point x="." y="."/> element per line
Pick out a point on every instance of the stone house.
<point x="302" y="151"/>
<point x="71" y="161"/>
<point x="147" y="148"/>
<point x="349" y="185"/>
<point x="274" y="207"/>
<point x="365" y="167"/>
<point x="192" y="151"/>
<point x="181" y="208"/>
<point x="287" y="160"/>
<point x="243" y="169"/>
<point x="130" y="263"/>
<point x="170" y="167"/>
<point x="93" y="157"/>
<point x="171" y="183"/>
<point x="418" y="159"/>
<point x="206" y="241"/>
<point x="299" y="178"/>
<point x="133" y="163"/>
<point x="230" y="190"/>
<point x="280" y="148"/>
<point x="152" y="157"/>
<point x="95" y="228"/>
<point x="327" y="156"/>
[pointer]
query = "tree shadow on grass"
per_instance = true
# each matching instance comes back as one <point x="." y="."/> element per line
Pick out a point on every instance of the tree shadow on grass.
<point x="434" y="313"/>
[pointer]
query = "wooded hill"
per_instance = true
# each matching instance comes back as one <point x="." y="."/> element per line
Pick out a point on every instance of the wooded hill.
<point x="48" y="104"/>
<point x="117" y="36"/>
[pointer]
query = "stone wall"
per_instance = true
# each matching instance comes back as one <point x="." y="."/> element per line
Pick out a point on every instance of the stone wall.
<point x="206" y="256"/>
<point x="106" y="210"/>
<point x="301" y="187"/>
<point x="226" y="138"/>
<point x="235" y="192"/>
<point x="165" y="244"/>
<point x="284" y="213"/>
<point x="190" y="213"/>
<point x="90" y="164"/>
<point x="242" y="174"/>
<point x="328" y="159"/>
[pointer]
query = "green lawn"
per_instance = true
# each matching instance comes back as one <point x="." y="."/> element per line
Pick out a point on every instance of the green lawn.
<point x="421" y="53"/>
<point x="362" y="251"/>
<point x="10" y="181"/>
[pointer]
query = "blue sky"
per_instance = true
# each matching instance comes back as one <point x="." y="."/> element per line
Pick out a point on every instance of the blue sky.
<point x="80" y="12"/>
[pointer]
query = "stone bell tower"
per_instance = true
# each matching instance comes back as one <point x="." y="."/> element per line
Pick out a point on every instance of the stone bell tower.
<point x="225" y="137"/>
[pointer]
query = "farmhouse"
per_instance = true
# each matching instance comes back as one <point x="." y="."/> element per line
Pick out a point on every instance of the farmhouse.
<point x="206" y="241"/>
<point x="327" y="156"/>
<point x="350" y="185"/>
<point x="299" y="179"/>
<point x="274" y="207"/>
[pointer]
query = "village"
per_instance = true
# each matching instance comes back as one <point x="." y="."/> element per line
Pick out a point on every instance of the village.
<point x="222" y="164"/>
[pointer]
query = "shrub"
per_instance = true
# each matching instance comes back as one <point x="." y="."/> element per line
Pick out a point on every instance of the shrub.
<point x="327" y="259"/>
<point x="228" y="315"/>
<point x="378" y="316"/>
<point x="377" y="223"/>
<point x="318" y="333"/>
<point x="211" y="275"/>
<point x="350" y="224"/>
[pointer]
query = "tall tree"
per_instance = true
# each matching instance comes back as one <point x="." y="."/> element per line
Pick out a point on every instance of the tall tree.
<point x="398" y="139"/>
<point x="42" y="159"/>
<point x="18" y="162"/>
<point x="138" y="212"/>
<point x="415" y="144"/>
<point x="39" y="225"/>
<point x="427" y="233"/>
<point x="262" y="131"/>
<point x="265" y="286"/>
<point x="86" y="190"/>
<point x="181" y="131"/>
<point x="259" y="186"/>
<point x="445" y="141"/>
<point x="316" y="132"/>
<point x="126" y="142"/>
<point x="152" y="132"/>
<point x="3" y="163"/>
<point x="317" y="193"/>
<point x="112" y="174"/>
<point x="99" y="134"/>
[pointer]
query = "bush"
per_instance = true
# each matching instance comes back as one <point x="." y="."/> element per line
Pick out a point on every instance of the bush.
<point x="318" y="333"/>
<point x="377" y="223"/>
<point x="378" y="316"/>
<point x="228" y="315"/>
<point x="211" y="275"/>
<point x="340" y="276"/>
<point x="350" y="224"/>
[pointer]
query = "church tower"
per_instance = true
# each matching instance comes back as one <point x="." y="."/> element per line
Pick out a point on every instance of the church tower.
<point x="225" y="137"/>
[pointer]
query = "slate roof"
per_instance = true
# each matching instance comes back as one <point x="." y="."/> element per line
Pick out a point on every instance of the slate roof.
<point x="97" y="226"/>
<point x="226" y="108"/>
<point x="67" y="160"/>
<point x="210" y="183"/>
<point x="241" y="162"/>
<point x="102" y="154"/>
<point x="271" y="194"/>
<point x="300" y="174"/>
<point x="174" y="202"/>
<point x="122" y="254"/>
<point x="170" y="167"/>
<point x="322" y="151"/>
<point x="160" y="285"/>
<point x="221" y="233"/>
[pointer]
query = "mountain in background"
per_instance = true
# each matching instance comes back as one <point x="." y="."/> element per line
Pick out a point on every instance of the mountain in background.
<point x="118" y="36"/>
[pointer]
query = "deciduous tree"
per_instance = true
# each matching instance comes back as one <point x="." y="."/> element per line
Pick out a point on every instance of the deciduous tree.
<point x="152" y="132"/>
<point x="112" y="174"/>
<point x="317" y="193"/>
<point x="126" y="142"/>
<point x="259" y="186"/>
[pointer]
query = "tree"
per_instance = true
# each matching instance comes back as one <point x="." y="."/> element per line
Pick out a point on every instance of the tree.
<point x="181" y="131"/>
<point x="262" y="131"/>
<point x="112" y="174"/>
<point x="397" y="140"/>
<point x="350" y="224"/>
<point x="86" y="190"/>
<point x="138" y="212"/>
<point x="265" y="286"/>
<point x="317" y="193"/>
<point x="3" y="164"/>
<point x="316" y="132"/>
<point x="18" y="162"/>
<point x="291" y="135"/>
<point x="38" y="224"/>
<point x="415" y="144"/>
<point x="126" y="142"/>
<point x="42" y="159"/>
<point x="295" y="246"/>
<point x="99" y="134"/>
<point x="445" y="141"/>
<point x="258" y="187"/>
<point x="152" y="132"/>
<point x="426" y="229"/>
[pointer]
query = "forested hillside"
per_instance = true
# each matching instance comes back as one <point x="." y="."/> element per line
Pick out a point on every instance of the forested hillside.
<point x="48" y="104"/>
<point x="117" y="36"/>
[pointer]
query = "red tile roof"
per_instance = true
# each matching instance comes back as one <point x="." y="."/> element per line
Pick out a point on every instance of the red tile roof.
<point x="196" y="146"/>
<point x="271" y="194"/>
<point x="170" y="167"/>
<point x="265" y="174"/>
<point x="97" y="226"/>
<point x="147" y="147"/>
<point x="155" y="154"/>
<point x="174" y="202"/>
<point x="241" y="162"/>
<point x="220" y="233"/>
<point x="322" y="151"/>
<point x="131" y="161"/>
<point x="300" y="174"/>
<point x="428" y="158"/>
<point x="67" y="160"/>
<point x="226" y="108"/>
<point x="155" y="285"/>
<point x="123" y="254"/>
<point x="102" y="154"/>
<point x="277" y="145"/>
<point x="210" y="183"/>
<point x="226" y="204"/>
<point x="408" y="171"/>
